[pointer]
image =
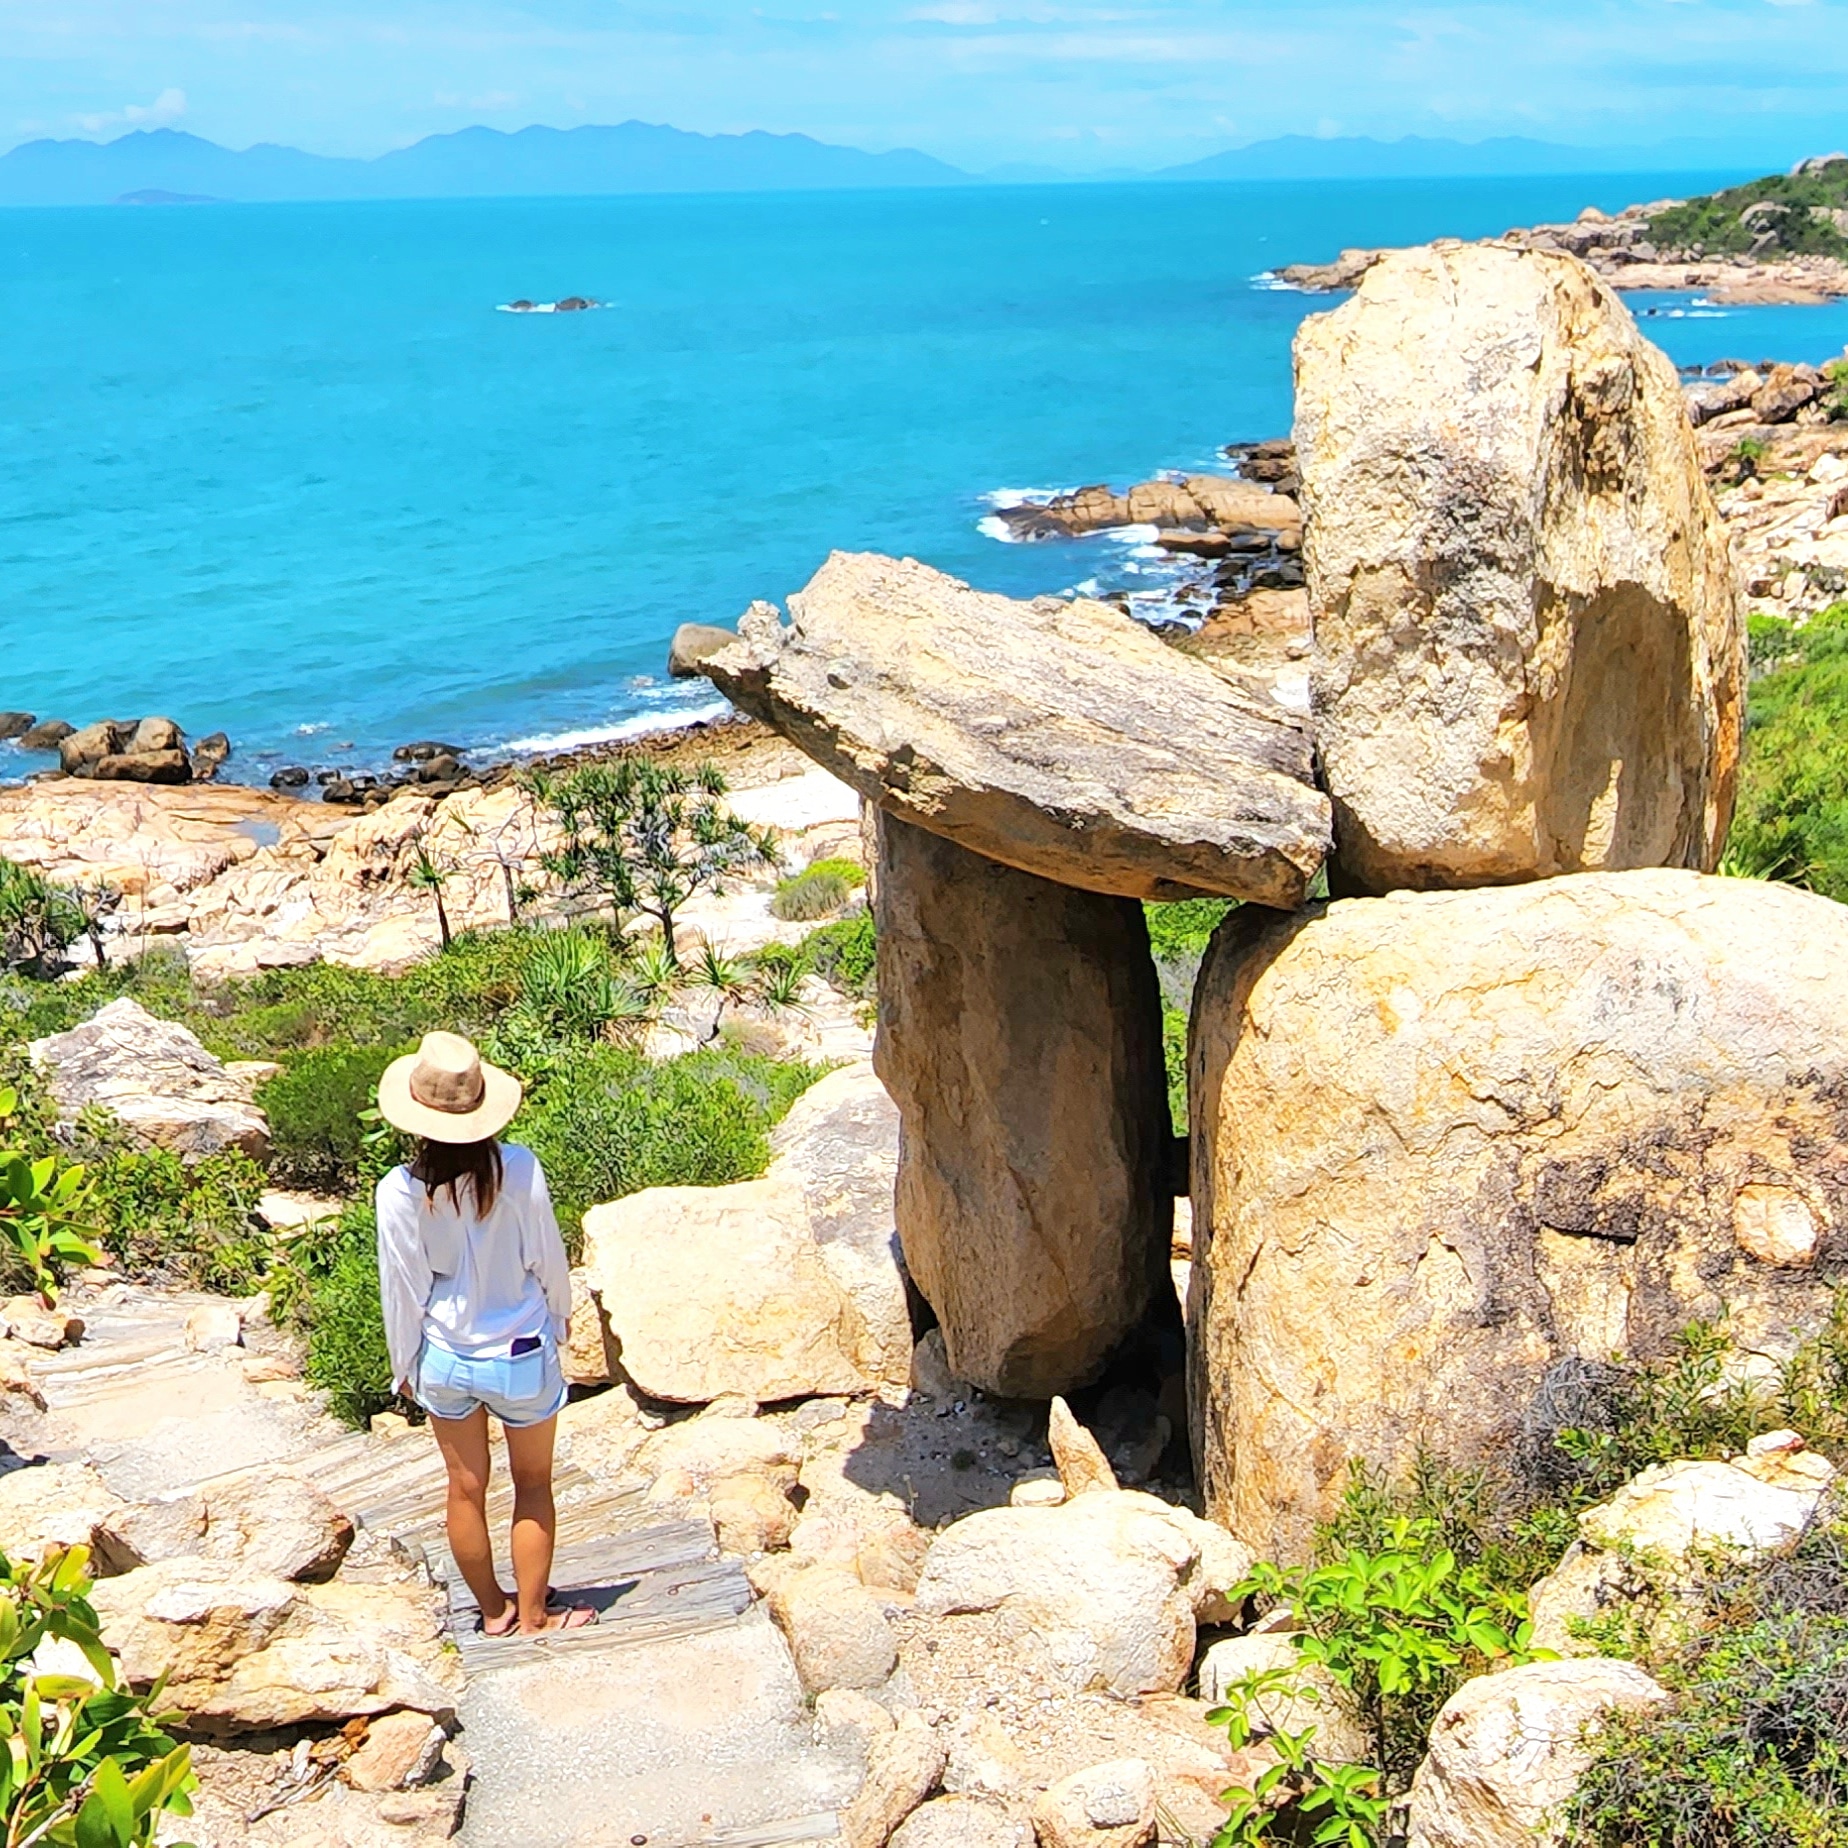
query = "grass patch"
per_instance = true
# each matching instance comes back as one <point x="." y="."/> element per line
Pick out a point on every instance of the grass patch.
<point x="316" y="1107"/>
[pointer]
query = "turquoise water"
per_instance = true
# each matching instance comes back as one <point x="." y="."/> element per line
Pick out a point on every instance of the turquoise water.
<point x="286" y="471"/>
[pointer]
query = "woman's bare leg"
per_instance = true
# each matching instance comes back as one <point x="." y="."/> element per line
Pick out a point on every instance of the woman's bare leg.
<point x="535" y="1518"/>
<point x="535" y="1528"/>
<point x="464" y="1444"/>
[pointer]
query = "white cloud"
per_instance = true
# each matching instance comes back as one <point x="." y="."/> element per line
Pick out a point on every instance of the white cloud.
<point x="167" y="107"/>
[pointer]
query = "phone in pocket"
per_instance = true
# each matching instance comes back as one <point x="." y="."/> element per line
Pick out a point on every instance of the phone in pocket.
<point x="526" y="1344"/>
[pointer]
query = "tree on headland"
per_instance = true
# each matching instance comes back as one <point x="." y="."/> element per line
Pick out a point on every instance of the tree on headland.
<point x="647" y="836"/>
<point x="427" y="876"/>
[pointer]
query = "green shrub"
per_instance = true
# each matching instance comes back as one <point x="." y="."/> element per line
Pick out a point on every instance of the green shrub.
<point x="1393" y="1631"/>
<point x="1174" y="1056"/>
<point x="45" y="1211"/>
<point x="1792" y="816"/>
<point x="1752" y="1752"/>
<point x="845" y="953"/>
<point x="88" y="1764"/>
<point x="809" y="895"/>
<point x="332" y="1293"/>
<point x="1835" y="399"/>
<point x="165" y="1220"/>
<point x="572" y="988"/>
<point x="610" y="1122"/>
<point x="316" y="1107"/>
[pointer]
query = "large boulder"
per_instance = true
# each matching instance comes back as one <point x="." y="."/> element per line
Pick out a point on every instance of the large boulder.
<point x="51" y="1505"/>
<point x="1111" y="1582"/>
<point x="1529" y="649"/>
<point x="155" y="1079"/>
<point x="839" y="1144"/>
<point x="241" y="1651"/>
<point x="1020" y="1035"/>
<point x="769" y="1289"/>
<point x="1508" y="1750"/>
<point x="1453" y="1152"/>
<point x="1059" y="737"/>
<point x="720" y="1290"/>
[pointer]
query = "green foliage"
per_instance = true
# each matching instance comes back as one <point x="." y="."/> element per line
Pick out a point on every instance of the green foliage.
<point x="610" y="1122"/>
<point x="573" y="988"/>
<point x="316" y="1105"/>
<point x="44" y="1212"/>
<point x="38" y="920"/>
<point x="1341" y="1803"/>
<point x="1792" y="817"/>
<point x="1793" y="217"/>
<point x="1174" y="1057"/>
<point x="170" y="1221"/>
<point x="331" y="1290"/>
<point x="87" y="1763"/>
<point x="1184" y="928"/>
<point x="1752" y="1752"/>
<point x="845" y="953"/>
<point x="809" y="895"/>
<point x="1395" y="1632"/>
<point x="1178" y="936"/>
<point x="647" y="835"/>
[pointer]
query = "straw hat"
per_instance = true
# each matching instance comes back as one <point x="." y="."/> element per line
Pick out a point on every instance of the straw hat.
<point x="446" y="1092"/>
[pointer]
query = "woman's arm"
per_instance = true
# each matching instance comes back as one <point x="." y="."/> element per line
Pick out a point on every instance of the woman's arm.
<point x="545" y="1254"/>
<point x="405" y="1279"/>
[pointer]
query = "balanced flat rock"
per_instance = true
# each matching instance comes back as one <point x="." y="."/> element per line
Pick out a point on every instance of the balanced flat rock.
<point x="1058" y="737"/>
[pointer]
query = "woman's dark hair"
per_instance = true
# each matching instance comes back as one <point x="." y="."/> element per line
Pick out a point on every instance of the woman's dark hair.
<point x="449" y="1164"/>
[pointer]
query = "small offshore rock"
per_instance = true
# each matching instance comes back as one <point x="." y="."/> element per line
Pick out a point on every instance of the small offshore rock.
<point x="210" y="755"/>
<point x="290" y="776"/>
<point x="15" y="725"/>
<point x="46" y="735"/>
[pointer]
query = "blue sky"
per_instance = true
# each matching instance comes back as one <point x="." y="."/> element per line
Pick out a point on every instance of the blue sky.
<point x="979" y="82"/>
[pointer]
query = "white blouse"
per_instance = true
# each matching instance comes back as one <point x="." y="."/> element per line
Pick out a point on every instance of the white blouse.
<point x="471" y="1284"/>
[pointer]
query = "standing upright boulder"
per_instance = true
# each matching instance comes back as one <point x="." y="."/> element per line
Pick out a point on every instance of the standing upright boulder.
<point x="1020" y="1037"/>
<point x="1454" y="1152"/>
<point x="1529" y="655"/>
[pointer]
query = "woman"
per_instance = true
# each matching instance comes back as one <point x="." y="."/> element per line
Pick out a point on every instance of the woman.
<point x="476" y="1290"/>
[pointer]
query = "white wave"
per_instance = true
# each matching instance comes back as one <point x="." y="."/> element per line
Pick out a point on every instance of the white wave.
<point x="312" y="731"/>
<point x="1022" y="497"/>
<point x="638" y="727"/>
<point x="992" y="526"/>
<point x="1269" y="279"/>
<point x="543" y="308"/>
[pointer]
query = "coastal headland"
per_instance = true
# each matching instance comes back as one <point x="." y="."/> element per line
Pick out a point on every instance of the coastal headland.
<point x="1777" y="242"/>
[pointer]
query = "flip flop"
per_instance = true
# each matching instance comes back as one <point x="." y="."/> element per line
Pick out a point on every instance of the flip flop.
<point x="570" y="1617"/>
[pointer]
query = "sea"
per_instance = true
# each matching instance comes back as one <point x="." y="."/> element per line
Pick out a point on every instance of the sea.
<point x="296" y="472"/>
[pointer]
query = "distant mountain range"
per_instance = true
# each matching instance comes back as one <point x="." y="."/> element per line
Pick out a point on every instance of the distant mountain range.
<point x="166" y="166"/>
<point x="473" y="163"/>
<point x="1305" y="157"/>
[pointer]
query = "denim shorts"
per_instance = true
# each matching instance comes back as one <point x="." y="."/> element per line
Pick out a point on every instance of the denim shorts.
<point x="519" y="1390"/>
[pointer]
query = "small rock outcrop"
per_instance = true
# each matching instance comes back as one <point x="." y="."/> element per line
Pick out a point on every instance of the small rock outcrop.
<point x="1060" y="738"/>
<point x="1452" y="1147"/>
<point x="240" y="1651"/>
<point x="155" y="1079"/>
<point x="150" y="750"/>
<point x="1637" y="1551"/>
<point x="1508" y="1749"/>
<point x="1529" y="654"/>
<point x="1020" y="1036"/>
